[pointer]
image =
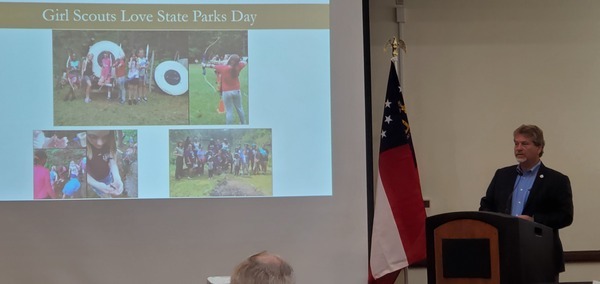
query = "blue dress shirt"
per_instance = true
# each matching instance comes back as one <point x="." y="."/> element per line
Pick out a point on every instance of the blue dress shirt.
<point x="523" y="186"/>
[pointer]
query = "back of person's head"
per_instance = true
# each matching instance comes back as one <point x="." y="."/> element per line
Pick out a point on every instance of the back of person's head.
<point x="39" y="157"/>
<point x="234" y="59"/>
<point x="263" y="268"/>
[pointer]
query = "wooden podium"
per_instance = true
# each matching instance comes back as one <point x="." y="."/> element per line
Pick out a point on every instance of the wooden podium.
<point x="483" y="247"/>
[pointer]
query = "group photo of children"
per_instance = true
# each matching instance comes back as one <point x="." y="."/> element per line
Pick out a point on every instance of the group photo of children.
<point x="85" y="164"/>
<point x="108" y="77"/>
<point x="220" y="162"/>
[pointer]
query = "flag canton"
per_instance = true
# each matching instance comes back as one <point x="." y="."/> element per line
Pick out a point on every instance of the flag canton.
<point x="395" y="129"/>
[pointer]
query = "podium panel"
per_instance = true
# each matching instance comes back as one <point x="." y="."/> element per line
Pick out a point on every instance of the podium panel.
<point x="486" y="248"/>
<point x="474" y="244"/>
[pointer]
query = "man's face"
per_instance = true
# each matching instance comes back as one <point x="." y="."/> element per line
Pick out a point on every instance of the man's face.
<point x="525" y="150"/>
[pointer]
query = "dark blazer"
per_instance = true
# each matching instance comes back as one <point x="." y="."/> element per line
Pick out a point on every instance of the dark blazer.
<point x="550" y="201"/>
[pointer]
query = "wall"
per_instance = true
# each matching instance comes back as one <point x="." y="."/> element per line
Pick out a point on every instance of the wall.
<point x="477" y="69"/>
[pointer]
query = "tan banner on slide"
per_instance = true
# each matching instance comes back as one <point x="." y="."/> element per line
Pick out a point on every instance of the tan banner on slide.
<point x="163" y="17"/>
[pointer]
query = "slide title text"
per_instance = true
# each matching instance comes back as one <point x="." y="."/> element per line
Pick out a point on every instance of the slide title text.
<point x="160" y="16"/>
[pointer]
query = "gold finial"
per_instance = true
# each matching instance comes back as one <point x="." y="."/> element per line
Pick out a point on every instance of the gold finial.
<point x="395" y="44"/>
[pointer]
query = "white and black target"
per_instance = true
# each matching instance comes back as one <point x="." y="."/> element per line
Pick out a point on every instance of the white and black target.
<point x="99" y="49"/>
<point x="171" y="77"/>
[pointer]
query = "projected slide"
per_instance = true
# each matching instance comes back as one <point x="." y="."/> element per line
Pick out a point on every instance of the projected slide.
<point x="150" y="99"/>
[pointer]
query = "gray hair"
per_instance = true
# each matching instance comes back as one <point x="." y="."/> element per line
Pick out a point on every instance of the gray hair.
<point x="263" y="268"/>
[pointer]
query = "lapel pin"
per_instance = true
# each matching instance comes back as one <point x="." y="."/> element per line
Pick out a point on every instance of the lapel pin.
<point x="541" y="176"/>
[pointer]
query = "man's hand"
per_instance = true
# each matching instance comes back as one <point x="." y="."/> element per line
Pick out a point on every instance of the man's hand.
<point x="526" y="217"/>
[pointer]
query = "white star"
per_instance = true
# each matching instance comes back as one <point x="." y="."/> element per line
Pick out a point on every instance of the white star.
<point x="383" y="134"/>
<point x="387" y="103"/>
<point x="388" y="119"/>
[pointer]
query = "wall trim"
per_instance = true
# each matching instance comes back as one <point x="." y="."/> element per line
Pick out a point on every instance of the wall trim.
<point x="578" y="256"/>
<point x="581" y="256"/>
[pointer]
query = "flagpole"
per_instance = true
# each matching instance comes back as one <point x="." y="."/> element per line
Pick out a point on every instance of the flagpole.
<point x="397" y="63"/>
<point x="397" y="44"/>
<point x="396" y="59"/>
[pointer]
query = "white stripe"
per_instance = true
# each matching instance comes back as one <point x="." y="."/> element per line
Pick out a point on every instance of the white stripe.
<point x="387" y="251"/>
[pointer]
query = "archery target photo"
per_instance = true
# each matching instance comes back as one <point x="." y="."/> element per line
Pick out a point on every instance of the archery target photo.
<point x="218" y="77"/>
<point x="171" y="77"/>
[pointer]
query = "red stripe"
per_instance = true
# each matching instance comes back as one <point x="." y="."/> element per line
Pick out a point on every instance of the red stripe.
<point x="400" y="179"/>
<point x="389" y="278"/>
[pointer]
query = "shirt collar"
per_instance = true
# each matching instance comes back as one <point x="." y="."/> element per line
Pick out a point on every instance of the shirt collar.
<point x="533" y="169"/>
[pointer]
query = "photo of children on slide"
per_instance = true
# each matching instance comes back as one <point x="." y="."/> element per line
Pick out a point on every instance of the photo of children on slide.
<point x="85" y="164"/>
<point x="120" y="77"/>
<point x="220" y="162"/>
<point x="218" y="77"/>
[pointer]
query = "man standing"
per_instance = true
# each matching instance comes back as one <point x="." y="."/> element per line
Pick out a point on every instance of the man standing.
<point x="532" y="191"/>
